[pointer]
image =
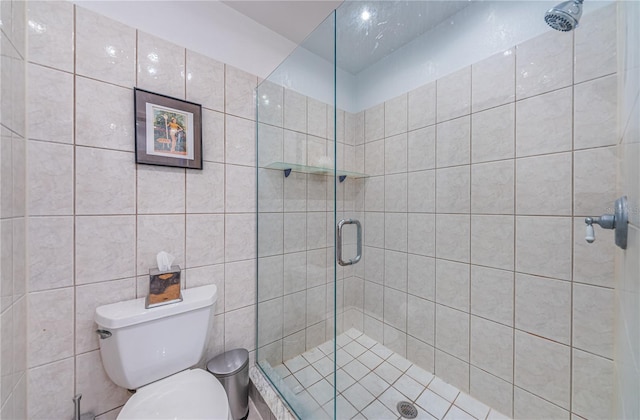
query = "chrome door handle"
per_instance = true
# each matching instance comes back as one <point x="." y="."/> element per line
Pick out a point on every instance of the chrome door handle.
<point x="341" y="223"/>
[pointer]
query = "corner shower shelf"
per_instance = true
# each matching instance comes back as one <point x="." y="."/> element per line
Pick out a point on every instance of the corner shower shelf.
<point x="315" y="170"/>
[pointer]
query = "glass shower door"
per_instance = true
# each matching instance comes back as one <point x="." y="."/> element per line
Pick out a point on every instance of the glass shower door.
<point x="296" y="226"/>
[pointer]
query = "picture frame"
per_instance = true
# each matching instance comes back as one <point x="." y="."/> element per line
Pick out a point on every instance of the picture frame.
<point x="168" y="130"/>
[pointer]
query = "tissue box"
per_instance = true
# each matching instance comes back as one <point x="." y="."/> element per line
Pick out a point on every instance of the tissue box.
<point x="164" y="287"/>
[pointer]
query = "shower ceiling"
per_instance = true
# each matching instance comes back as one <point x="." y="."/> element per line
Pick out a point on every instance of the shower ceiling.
<point x="389" y="26"/>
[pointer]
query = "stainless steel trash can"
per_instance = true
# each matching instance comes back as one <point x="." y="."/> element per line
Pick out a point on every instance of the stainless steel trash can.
<point x="232" y="370"/>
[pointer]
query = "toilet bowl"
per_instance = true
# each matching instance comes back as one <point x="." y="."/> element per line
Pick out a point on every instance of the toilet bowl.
<point x="154" y="351"/>
<point x="190" y="394"/>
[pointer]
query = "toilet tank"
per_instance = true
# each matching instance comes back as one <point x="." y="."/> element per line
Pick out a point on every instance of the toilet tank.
<point x="146" y="345"/>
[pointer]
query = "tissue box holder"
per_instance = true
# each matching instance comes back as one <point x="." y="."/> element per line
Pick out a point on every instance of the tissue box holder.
<point x="164" y="287"/>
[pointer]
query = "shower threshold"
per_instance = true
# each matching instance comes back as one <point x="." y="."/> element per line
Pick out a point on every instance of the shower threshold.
<point x="371" y="382"/>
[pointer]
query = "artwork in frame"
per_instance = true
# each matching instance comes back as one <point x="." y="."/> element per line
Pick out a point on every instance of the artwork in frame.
<point x="168" y="131"/>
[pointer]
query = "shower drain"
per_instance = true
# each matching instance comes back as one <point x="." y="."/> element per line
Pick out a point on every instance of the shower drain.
<point x="407" y="410"/>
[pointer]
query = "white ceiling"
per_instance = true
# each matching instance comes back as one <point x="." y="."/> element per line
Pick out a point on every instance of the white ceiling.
<point x="293" y="19"/>
<point x="391" y="25"/>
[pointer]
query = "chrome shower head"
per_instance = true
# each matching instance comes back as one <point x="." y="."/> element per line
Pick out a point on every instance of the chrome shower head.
<point x="565" y="16"/>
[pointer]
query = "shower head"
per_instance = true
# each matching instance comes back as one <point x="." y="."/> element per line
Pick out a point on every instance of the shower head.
<point x="565" y="16"/>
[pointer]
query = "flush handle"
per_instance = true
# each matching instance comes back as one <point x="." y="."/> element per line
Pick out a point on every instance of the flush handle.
<point x="619" y="221"/>
<point x="103" y="334"/>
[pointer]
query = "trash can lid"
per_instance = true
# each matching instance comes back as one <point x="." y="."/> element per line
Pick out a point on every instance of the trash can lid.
<point x="229" y="362"/>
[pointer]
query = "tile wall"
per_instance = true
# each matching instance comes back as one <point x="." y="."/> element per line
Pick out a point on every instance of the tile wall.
<point x="97" y="219"/>
<point x="13" y="300"/>
<point x="627" y="302"/>
<point x="475" y="263"/>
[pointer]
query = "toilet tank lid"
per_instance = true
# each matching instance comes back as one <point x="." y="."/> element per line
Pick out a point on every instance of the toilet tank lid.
<point x="130" y="312"/>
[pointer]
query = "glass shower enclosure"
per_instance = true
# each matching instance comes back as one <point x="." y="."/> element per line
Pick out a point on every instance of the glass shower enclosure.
<point x="391" y="246"/>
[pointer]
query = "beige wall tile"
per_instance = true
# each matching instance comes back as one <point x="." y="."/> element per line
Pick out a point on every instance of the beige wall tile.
<point x="543" y="368"/>
<point x="316" y="118"/>
<point x="205" y="81"/>
<point x="452" y="234"/>
<point x="494" y="80"/>
<point x="492" y="241"/>
<point x="593" y="171"/>
<point x="421" y="354"/>
<point x="492" y="347"/>
<point x="239" y="240"/>
<point x="452" y="370"/>
<point x="51" y="387"/>
<point x="543" y="64"/>
<point x="452" y="284"/>
<point x="421" y="149"/>
<point x="106" y="122"/>
<point x="525" y="403"/>
<point x="105" y="248"/>
<point x="154" y="182"/>
<point x="240" y="328"/>
<point x="395" y="115"/>
<point x="593" y="319"/>
<point x="50" y="103"/>
<point x="157" y="233"/>
<point x="105" y="49"/>
<point x="544" y="123"/>
<point x="422" y="234"/>
<point x="595" y="45"/>
<point x="105" y="182"/>
<point x="240" y="141"/>
<point x="51" y="34"/>
<point x="395" y="154"/>
<point x="295" y="111"/>
<point x="239" y="92"/>
<point x="421" y="104"/>
<point x="395" y="270"/>
<point x="491" y="390"/>
<point x="493" y="134"/>
<point x="395" y="308"/>
<point x="421" y="276"/>
<point x="421" y="191"/>
<point x="493" y="187"/>
<point x="395" y="339"/>
<point x="595" y="113"/>
<point x="453" y="190"/>
<point x="374" y="156"/>
<point x="205" y="189"/>
<point x="543" y="246"/>
<point x="454" y="95"/>
<point x="374" y="123"/>
<point x="240" y="190"/>
<point x="88" y="298"/>
<point x="492" y="294"/>
<point x="543" y="307"/>
<point x="99" y="394"/>
<point x="50" y="253"/>
<point x="421" y="319"/>
<point x="395" y="193"/>
<point x="204" y="239"/>
<point x="395" y="231"/>
<point x="453" y="142"/>
<point x="452" y="333"/>
<point x="593" y="389"/>
<point x="50" y="327"/>
<point x="240" y="284"/>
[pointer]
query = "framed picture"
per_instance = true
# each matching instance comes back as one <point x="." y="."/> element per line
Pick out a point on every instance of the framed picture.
<point x="168" y="131"/>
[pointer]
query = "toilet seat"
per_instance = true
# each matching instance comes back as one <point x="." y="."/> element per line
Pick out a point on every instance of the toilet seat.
<point x="190" y="394"/>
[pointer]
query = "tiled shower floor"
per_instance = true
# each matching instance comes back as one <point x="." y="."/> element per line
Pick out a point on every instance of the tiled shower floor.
<point x="372" y="379"/>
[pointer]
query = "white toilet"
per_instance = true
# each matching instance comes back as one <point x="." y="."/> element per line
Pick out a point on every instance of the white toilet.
<point x="152" y="351"/>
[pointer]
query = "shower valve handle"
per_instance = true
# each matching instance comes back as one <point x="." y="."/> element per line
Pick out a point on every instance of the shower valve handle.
<point x="617" y="221"/>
